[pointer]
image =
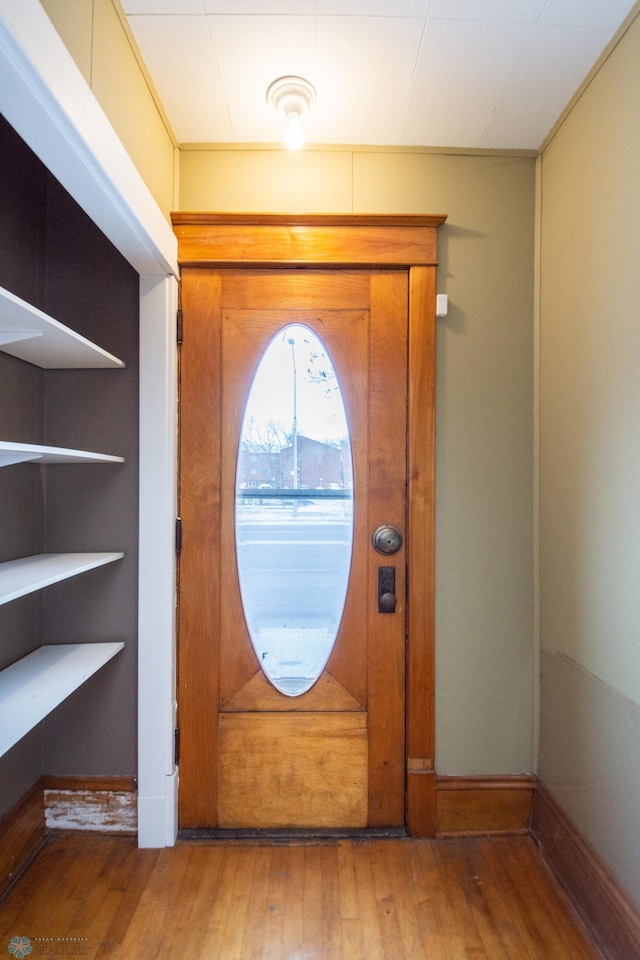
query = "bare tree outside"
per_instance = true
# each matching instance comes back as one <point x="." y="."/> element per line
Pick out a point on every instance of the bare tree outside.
<point x="265" y="442"/>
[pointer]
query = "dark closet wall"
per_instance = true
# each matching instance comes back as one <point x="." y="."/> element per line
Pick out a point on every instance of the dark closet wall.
<point x="53" y="256"/>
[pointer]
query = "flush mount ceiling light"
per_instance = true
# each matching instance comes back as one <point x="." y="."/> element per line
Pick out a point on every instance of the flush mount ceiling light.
<point x="292" y="97"/>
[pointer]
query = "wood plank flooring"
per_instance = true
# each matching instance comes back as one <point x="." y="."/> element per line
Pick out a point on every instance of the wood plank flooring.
<point x="473" y="899"/>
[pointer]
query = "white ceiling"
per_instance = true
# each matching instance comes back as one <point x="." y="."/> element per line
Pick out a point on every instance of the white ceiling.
<point x="437" y="73"/>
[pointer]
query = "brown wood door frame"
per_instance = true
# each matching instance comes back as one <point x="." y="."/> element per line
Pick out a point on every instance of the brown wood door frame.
<point x="406" y="243"/>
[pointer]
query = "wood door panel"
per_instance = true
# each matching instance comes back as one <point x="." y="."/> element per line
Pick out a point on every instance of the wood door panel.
<point x="281" y="770"/>
<point x="320" y="757"/>
<point x="387" y="504"/>
<point x="302" y="290"/>
<point x="259" y="694"/>
<point x="200" y="509"/>
<point x="293" y="263"/>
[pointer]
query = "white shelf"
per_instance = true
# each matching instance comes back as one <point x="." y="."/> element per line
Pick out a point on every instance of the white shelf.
<point x="31" y="688"/>
<point x="19" y="577"/>
<point x="31" y="335"/>
<point x="24" y="452"/>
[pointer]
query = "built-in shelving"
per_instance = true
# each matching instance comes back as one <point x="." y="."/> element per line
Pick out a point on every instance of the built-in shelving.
<point x="31" y="688"/>
<point x="19" y="577"/>
<point x="24" y="452"/>
<point x="31" y="335"/>
<point x="80" y="298"/>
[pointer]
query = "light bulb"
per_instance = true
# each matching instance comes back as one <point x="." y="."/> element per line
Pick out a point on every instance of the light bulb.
<point x="292" y="97"/>
<point x="294" y="134"/>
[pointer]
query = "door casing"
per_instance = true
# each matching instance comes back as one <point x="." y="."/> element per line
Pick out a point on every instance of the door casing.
<point x="406" y="243"/>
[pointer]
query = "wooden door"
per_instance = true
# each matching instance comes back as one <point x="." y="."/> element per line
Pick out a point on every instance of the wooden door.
<point x="352" y="749"/>
<point x="333" y="756"/>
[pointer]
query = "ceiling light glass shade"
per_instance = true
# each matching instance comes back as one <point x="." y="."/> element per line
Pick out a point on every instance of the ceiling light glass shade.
<point x="294" y="134"/>
<point x="292" y="97"/>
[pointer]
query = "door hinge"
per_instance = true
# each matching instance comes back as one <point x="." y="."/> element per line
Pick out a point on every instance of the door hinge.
<point x="178" y="534"/>
<point x="176" y="746"/>
<point x="179" y="326"/>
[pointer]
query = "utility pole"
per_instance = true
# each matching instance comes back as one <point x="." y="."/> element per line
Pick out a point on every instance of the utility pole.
<point x="292" y="343"/>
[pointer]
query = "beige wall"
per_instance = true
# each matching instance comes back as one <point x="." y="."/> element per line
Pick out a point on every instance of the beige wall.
<point x="485" y="657"/>
<point x="590" y="462"/>
<point x="485" y="668"/>
<point x="94" y="34"/>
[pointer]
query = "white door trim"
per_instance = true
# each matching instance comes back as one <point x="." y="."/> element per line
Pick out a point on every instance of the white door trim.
<point x="157" y="779"/>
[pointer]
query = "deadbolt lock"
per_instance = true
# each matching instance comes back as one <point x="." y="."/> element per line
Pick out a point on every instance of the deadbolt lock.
<point x="387" y="590"/>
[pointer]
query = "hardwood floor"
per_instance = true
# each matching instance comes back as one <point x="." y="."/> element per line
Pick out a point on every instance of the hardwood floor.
<point x="475" y="899"/>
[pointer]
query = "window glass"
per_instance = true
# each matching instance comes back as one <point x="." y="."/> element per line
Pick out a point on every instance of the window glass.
<point x="294" y="509"/>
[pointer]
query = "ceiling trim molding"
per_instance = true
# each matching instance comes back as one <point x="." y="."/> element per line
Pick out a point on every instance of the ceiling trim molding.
<point x="360" y="148"/>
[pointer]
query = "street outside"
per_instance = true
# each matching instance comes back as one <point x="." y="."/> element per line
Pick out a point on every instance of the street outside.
<point x="294" y="558"/>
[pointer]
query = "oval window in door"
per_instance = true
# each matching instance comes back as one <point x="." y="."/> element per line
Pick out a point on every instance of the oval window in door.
<point x="294" y="509"/>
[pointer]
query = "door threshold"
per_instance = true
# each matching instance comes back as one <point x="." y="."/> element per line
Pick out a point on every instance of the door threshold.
<point x="292" y="837"/>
